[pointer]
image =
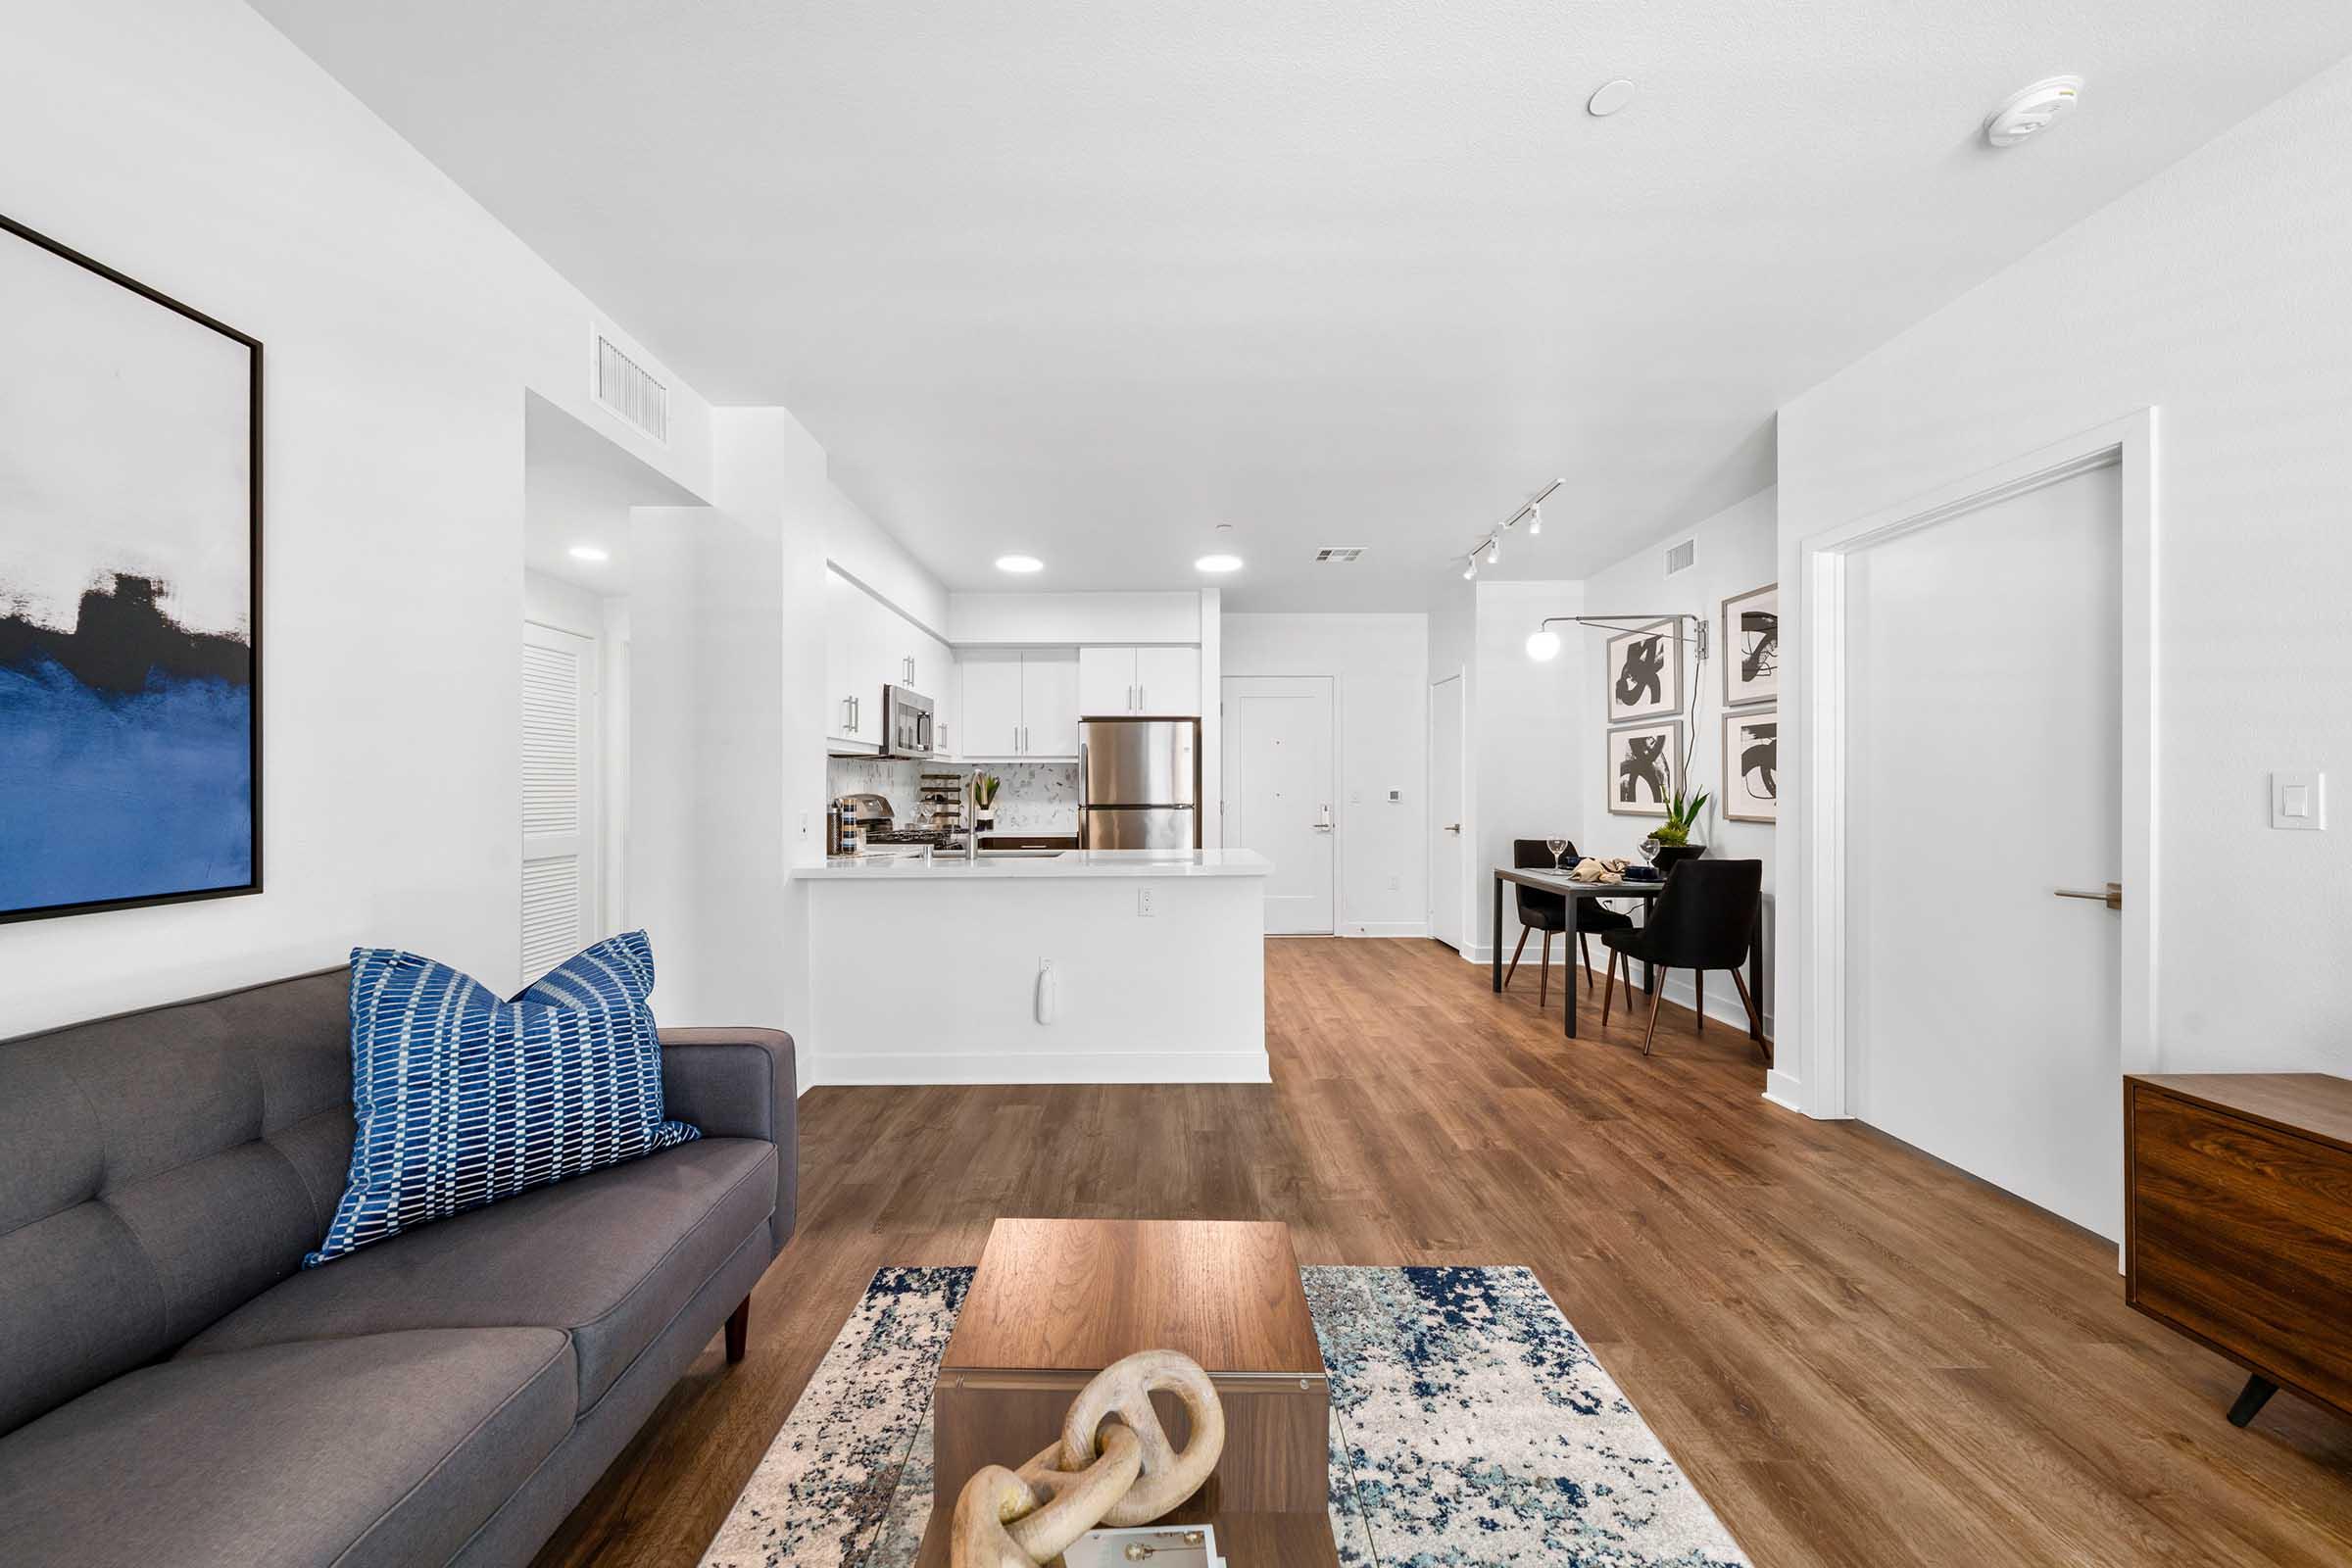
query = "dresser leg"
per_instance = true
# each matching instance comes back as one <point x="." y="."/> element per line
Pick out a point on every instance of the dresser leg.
<point x="2258" y="1392"/>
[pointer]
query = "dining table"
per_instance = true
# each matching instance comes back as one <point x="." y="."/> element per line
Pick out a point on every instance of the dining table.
<point x="1561" y="882"/>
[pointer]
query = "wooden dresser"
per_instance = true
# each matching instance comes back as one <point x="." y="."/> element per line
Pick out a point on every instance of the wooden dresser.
<point x="2238" y="1223"/>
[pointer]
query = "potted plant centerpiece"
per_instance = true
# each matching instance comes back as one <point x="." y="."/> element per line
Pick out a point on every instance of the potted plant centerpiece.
<point x="1672" y="842"/>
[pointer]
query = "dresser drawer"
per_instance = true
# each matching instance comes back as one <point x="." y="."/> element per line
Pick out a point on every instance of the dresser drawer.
<point x="2241" y="1234"/>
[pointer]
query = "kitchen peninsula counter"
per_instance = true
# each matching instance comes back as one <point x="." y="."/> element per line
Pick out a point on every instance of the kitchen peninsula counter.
<point x="1083" y="967"/>
<point x="950" y="865"/>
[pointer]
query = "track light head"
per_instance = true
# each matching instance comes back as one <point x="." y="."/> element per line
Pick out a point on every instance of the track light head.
<point x="1494" y="548"/>
<point x="1469" y="568"/>
<point x="1535" y="519"/>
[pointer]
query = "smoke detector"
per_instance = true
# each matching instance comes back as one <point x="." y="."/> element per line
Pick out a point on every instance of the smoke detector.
<point x="2033" y="109"/>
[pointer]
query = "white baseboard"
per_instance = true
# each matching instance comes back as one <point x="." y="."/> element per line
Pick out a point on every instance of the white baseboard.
<point x="913" y="1068"/>
<point x="1387" y="928"/>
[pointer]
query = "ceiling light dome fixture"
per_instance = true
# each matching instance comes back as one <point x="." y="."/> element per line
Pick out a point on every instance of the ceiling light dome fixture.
<point x="1218" y="563"/>
<point x="1022" y="563"/>
<point x="2031" y="110"/>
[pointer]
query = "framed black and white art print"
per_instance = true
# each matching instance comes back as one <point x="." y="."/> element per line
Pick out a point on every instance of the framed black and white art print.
<point x="1644" y="764"/>
<point x="1645" y="672"/>
<point x="1751" y="765"/>
<point x="130" y="526"/>
<point x="1751" y="646"/>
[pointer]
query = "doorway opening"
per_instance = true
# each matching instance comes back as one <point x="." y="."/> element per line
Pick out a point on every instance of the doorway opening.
<point x="1979" y="745"/>
<point x="1448" y="840"/>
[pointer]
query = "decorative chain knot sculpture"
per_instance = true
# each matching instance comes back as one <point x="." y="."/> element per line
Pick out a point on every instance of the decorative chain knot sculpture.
<point x="1118" y="1472"/>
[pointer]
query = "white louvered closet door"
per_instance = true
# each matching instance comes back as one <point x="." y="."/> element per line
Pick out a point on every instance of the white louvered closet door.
<point x="559" y="796"/>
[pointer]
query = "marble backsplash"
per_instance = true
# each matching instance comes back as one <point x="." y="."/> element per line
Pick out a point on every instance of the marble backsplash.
<point x="1034" y="797"/>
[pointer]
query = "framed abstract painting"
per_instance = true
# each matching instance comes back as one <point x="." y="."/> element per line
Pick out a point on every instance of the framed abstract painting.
<point x="1644" y="764"/>
<point x="1751" y="646"/>
<point x="130" y="530"/>
<point x="1751" y="765"/>
<point x="1645" y="672"/>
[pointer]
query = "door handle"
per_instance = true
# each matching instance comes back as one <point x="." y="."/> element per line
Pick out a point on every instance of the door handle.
<point x="2112" y="897"/>
<point x="1324" y="826"/>
<point x="1453" y="828"/>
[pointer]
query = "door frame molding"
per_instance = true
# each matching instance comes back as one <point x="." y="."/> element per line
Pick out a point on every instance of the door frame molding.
<point x="1467" y="890"/>
<point x="2127" y="444"/>
<point x="1229" y="767"/>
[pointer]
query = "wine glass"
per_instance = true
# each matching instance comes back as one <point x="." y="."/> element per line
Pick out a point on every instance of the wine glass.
<point x="1558" y="847"/>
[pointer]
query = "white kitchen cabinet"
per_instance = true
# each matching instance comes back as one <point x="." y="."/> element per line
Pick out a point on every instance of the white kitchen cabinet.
<point x="1018" y="703"/>
<point x="1050" y="703"/>
<point x="1167" y="682"/>
<point x="1105" y="682"/>
<point x="853" y="652"/>
<point x="991" y="719"/>
<point x="934" y="678"/>
<point x="1161" y="681"/>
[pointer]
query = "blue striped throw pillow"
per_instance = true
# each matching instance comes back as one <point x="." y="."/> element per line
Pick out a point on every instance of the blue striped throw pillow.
<point x="464" y="1098"/>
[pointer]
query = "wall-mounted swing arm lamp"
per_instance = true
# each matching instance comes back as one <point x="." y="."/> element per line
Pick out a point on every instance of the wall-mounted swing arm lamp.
<point x="1545" y="643"/>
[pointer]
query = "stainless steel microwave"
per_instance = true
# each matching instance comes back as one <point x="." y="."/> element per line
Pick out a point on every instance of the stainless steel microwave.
<point x="905" y="723"/>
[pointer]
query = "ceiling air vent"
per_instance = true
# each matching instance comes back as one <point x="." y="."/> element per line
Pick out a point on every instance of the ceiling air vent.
<point x="630" y="390"/>
<point x="1682" y="557"/>
<point x="1339" y="555"/>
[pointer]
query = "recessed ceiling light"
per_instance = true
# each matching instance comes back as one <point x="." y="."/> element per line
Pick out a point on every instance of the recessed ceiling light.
<point x="2031" y="110"/>
<point x="1218" y="563"/>
<point x="590" y="553"/>
<point x="1611" y="97"/>
<point x="1019" y="563"/>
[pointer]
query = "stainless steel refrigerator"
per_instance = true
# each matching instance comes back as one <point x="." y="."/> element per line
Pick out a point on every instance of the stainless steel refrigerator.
<point x="1139" y="784"/>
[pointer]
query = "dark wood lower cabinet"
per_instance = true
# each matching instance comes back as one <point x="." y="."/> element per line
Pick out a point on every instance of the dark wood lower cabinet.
<point x="2238" y="1223"/>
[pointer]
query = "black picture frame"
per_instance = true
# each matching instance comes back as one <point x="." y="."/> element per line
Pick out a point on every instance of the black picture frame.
<point x="255" y="618"/>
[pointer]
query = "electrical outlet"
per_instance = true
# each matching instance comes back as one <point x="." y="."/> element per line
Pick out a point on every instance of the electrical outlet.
<point x="2300" y="802"/>
<point x="1145" y="905"/>
<point x="1356" y="797"/>
<point x="1396" y="883"/>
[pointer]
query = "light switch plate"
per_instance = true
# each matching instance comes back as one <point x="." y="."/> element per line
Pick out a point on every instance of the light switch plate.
<point x="2300" y="802"/>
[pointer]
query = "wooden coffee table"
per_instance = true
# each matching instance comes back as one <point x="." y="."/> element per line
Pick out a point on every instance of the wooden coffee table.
<point x="1057" y="1301"/>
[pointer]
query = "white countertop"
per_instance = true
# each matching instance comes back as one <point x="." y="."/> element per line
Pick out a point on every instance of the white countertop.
<point x="1030" y="868"/>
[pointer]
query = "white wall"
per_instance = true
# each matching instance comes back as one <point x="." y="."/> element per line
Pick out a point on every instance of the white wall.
<point x="1380" y="667"/>
<point x="2214" y="292"/>
<point x="187" y="144"/>
<point x="1052" y="618"/>
<point x="861" y="550"/>
<point x="1739" y="549"/>
<point x="1531" y="745"/>
<point x="1453" y="652"/>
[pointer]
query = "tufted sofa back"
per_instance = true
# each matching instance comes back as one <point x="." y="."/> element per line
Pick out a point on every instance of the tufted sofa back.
<point x="157" y="1169"/>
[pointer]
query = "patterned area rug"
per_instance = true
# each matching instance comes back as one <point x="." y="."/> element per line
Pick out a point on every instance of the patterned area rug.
<point x="1470" y="1427"/>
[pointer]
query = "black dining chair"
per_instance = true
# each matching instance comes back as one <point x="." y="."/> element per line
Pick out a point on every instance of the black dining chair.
<point x="1705" y="918"/>
<point x="1548" y="913"/>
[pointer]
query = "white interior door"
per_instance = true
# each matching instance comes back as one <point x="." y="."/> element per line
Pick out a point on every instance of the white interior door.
<point x="1447" y="868"/>
<point x="561" y="839"/>
<point x="1279" y="796"/>
<point x="1983" y="676"/>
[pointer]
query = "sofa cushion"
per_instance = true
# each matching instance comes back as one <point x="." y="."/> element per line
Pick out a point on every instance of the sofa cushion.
<point x="387" y="1450"/>
<point x="609" y="1257"/>
<point x="157" y="1169"/>
<point x="464" y="1100"/>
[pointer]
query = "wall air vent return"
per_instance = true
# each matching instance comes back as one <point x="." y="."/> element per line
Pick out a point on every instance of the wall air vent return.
<point x="1682" y="557"/>
<point x="1339" y="555"/>
<point x="629" y="389"/>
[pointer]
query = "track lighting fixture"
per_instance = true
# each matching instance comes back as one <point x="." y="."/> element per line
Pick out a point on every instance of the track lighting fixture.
<point x="1491" y="547"/>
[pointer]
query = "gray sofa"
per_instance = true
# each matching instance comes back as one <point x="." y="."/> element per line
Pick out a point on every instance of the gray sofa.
<point x="175" y="1389"/>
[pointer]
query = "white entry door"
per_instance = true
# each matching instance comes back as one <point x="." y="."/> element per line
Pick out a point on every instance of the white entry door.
<point x="1279" y="796"/>
<point x="1984" y="736"/>
<point x="1447" y="869"/>
<point x="560" y="832"/>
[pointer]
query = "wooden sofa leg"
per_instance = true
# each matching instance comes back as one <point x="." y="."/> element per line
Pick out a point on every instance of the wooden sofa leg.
<point x="739" y="1329"/>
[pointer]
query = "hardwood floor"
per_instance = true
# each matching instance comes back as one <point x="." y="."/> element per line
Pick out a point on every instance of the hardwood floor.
<point x="1859" y="1355"/>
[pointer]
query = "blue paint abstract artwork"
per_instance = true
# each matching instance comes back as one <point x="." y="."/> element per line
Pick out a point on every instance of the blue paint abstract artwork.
<point x="130" y="539"/>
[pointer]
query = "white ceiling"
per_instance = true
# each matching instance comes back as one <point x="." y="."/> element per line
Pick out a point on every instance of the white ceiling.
<point x="1085" y="280"/>
<point x="577" y="488"/>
